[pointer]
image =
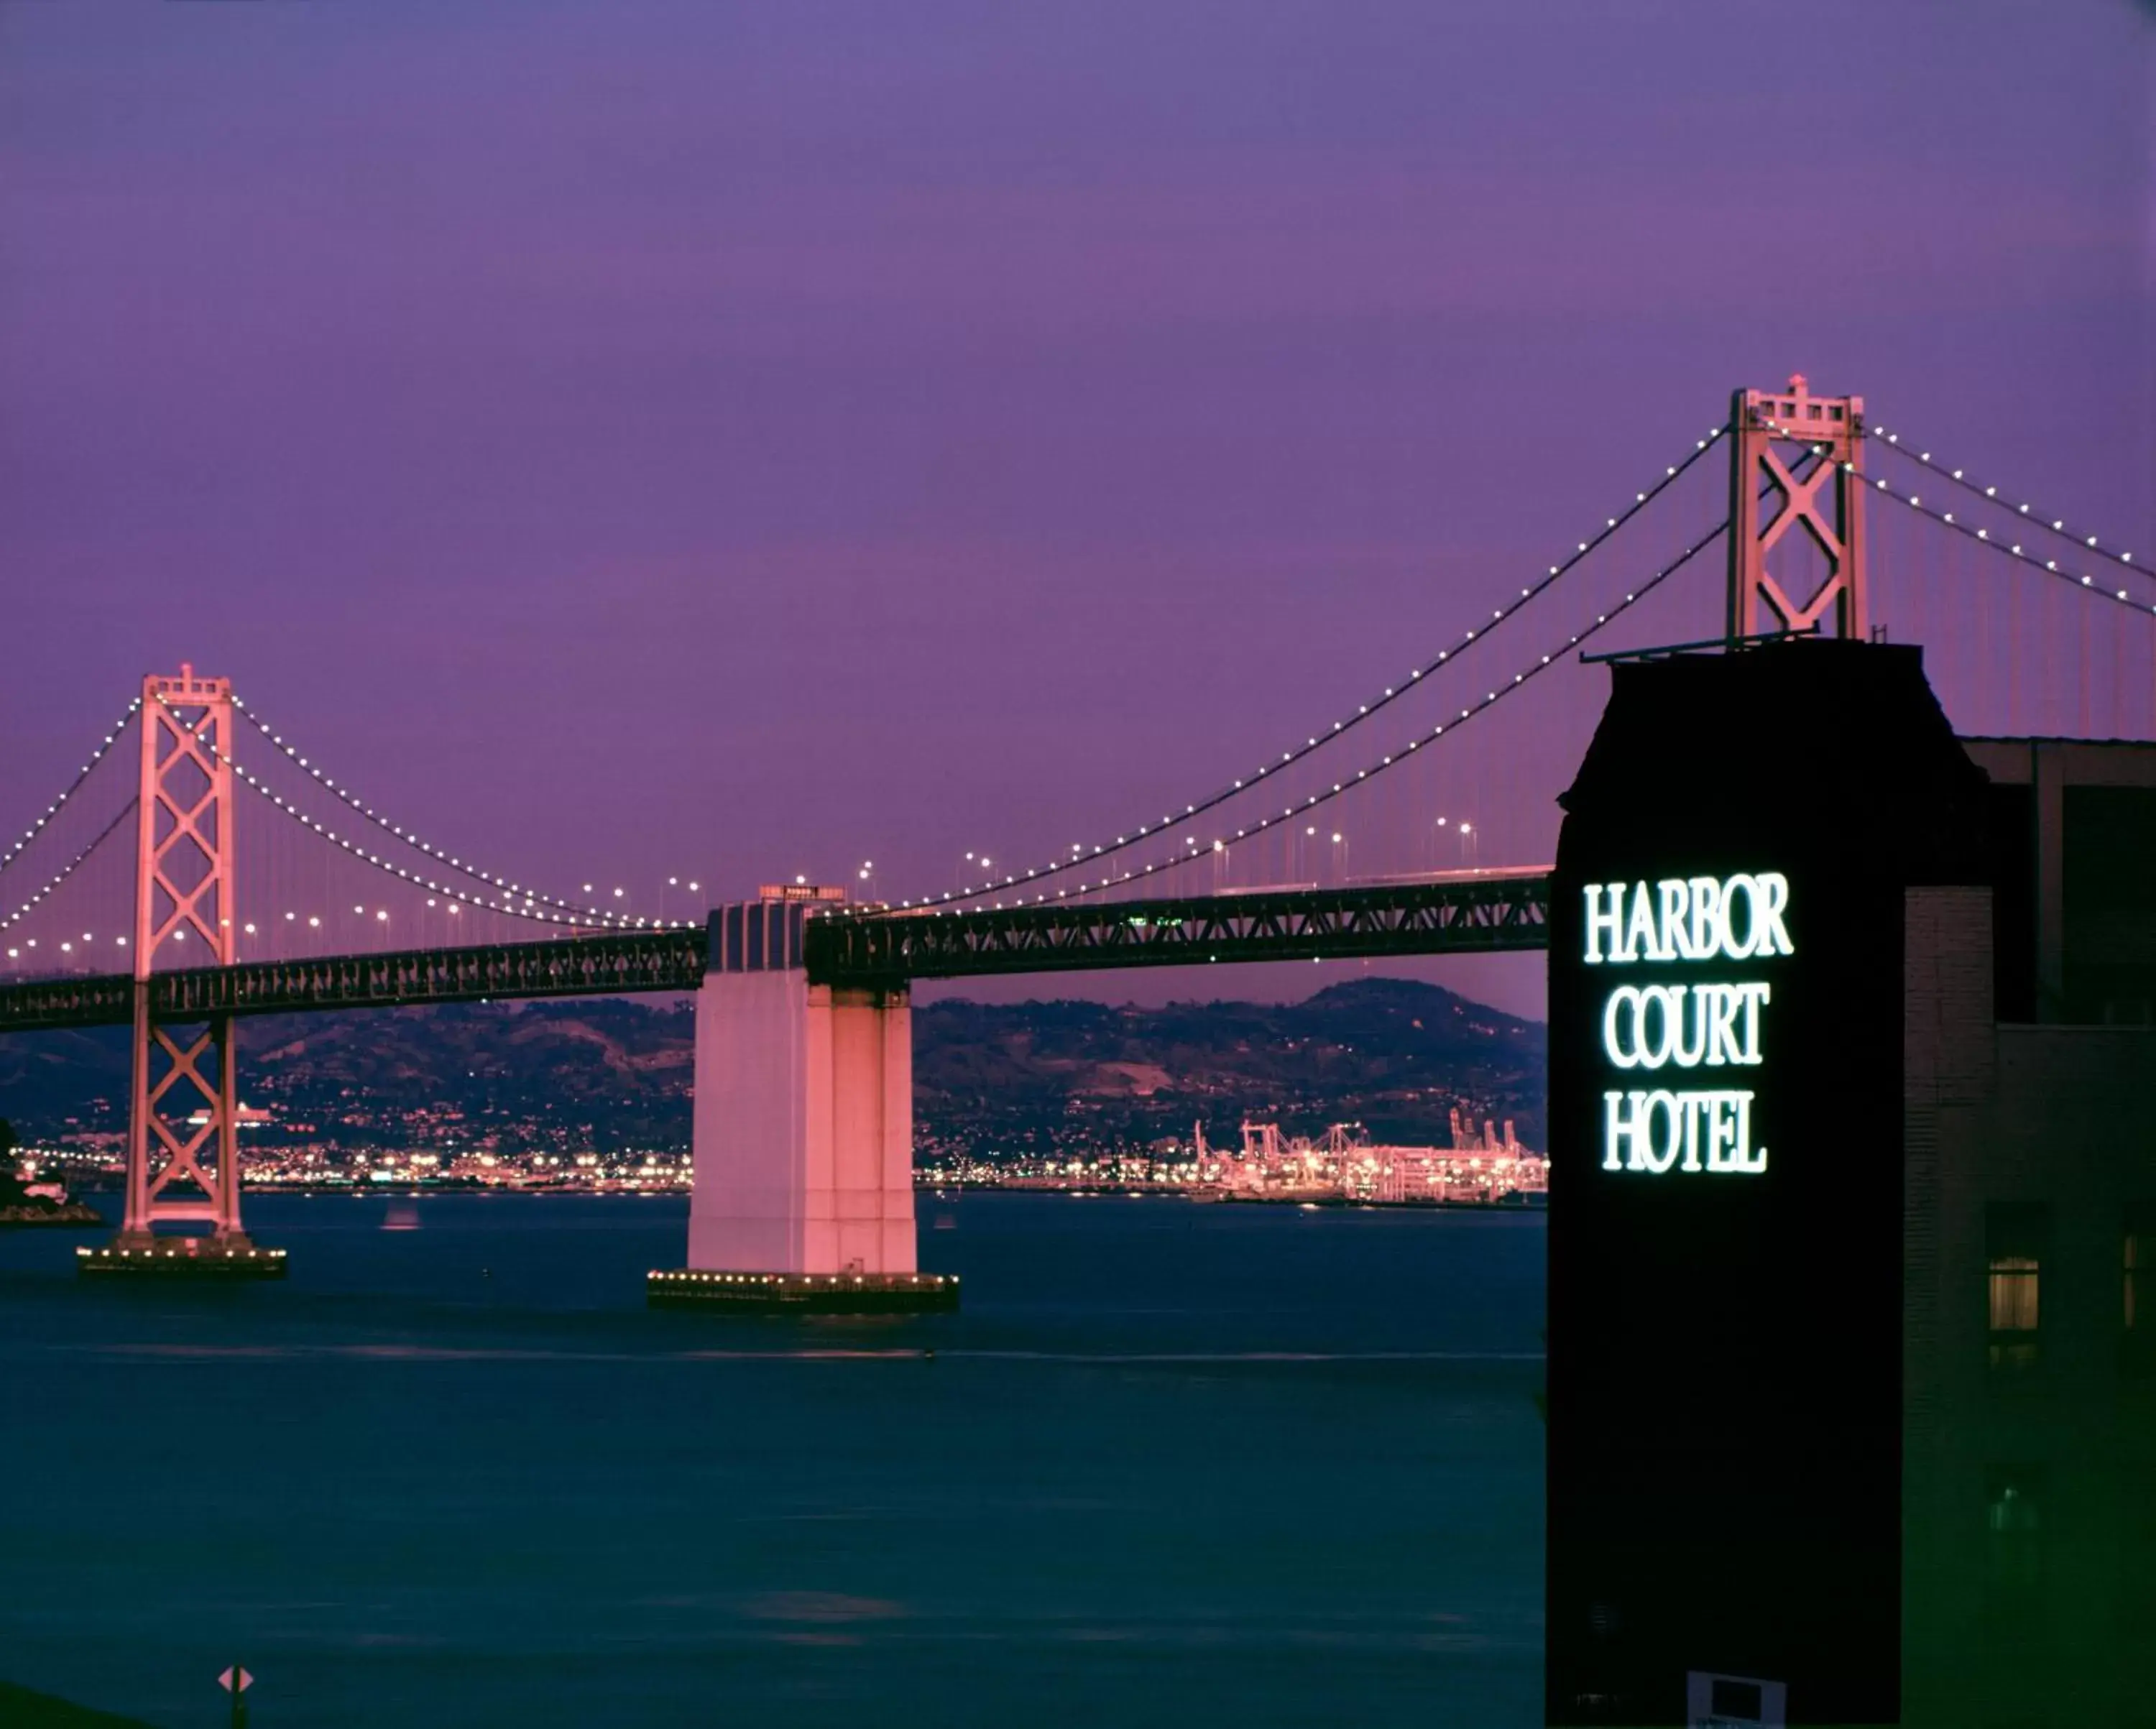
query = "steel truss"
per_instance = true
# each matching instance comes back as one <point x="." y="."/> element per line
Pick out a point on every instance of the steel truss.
<point x="1484" y="911"/>
<point x="1490" y="910"/>
<point x="96" y="1000"/>
<point x="559" y="967"/>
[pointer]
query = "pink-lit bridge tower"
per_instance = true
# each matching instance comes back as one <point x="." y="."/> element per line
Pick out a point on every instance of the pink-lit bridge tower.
<point x="1809" y="520"/>
<point x="182" y="1147"/>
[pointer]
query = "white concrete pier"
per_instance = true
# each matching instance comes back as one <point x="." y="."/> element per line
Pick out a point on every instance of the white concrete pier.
<point x="803" y="1111"/>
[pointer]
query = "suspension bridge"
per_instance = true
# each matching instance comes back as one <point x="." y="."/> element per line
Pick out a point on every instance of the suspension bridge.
<point x="230" y="874"/>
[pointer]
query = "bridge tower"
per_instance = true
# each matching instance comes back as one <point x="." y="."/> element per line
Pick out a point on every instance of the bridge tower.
<point x="1826" y="501"/>
<point x="182" y="1151"/>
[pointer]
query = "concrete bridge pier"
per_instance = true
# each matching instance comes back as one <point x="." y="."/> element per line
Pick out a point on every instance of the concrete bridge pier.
<point x="804" y="1134"/>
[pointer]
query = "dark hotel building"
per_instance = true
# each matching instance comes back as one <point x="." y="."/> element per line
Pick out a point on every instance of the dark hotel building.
<point x="1852" y="1371"/>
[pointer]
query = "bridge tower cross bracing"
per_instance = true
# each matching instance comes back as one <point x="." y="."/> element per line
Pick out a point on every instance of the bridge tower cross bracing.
<point x="184" y="892"/>
<point x="1826" y="504"/>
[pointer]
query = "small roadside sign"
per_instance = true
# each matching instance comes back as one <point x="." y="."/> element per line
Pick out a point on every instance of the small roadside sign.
<point x="236" y="1680"/>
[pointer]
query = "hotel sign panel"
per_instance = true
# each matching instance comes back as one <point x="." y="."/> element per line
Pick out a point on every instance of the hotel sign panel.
<point x="1726" y="1181"/>
<point x="1707" y="922"/>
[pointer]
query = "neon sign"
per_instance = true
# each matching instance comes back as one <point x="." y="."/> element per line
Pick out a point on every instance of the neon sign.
<point x="1687" y="1024"/>
<point x="1713" y="1025"/>
<point x="1689" y="918"/>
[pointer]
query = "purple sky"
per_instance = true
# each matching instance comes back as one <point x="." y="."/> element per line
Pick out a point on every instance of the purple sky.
<point x="631" y="438"/>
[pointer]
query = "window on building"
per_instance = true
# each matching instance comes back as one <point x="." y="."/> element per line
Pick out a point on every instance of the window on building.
<point x="2139" y="1313"/>
<point x="2015" y="1243"/>
<point x="2109" y="904"/>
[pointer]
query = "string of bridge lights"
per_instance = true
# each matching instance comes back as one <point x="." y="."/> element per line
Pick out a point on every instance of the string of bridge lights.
<point x="416" y="879"/>
<point x="353" y="801"/>
<point x="2056" y="524"/>
<point x="1945" y="519"/>
<point x="2013" y="549"/>
<point x="1080" y="857"/>
<point x="1294" y="811"/>
<point x="66" y="871"/>
<point x="52" y="810"/>
<point x="314" y="921"/>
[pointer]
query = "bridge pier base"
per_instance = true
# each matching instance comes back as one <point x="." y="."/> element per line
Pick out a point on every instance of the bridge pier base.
<point x="803" y="1135"/>
<point x="145" y="1255"/>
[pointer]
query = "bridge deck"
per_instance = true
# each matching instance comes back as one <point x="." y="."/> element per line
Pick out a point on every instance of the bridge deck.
<point x="1480" y="911"/>
<point x="1472" y="912"/>
<point x="612" y="964"/>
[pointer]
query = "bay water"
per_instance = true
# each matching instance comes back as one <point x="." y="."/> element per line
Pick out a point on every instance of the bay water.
<point x="1172" y="1464"/>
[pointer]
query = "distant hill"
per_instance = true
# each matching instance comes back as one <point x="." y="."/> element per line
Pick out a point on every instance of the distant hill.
<point x="1395" y="1054"/>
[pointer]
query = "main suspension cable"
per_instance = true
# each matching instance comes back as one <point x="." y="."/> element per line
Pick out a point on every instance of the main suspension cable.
<point x="52" y="810"/>
<point x="2013" y="549"/>
<point x="68" y="870"/>
<point x="255" y="783"/>
<point x="1293" y="811"/>
<point x="1082" y="859"/>
<point x="586" y="916"/>
<point x="1945" y="519"/>
<point x="2040" y="519"/>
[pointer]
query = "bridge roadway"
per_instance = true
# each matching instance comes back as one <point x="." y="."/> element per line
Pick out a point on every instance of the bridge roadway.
<point x="1476" y="911"/>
